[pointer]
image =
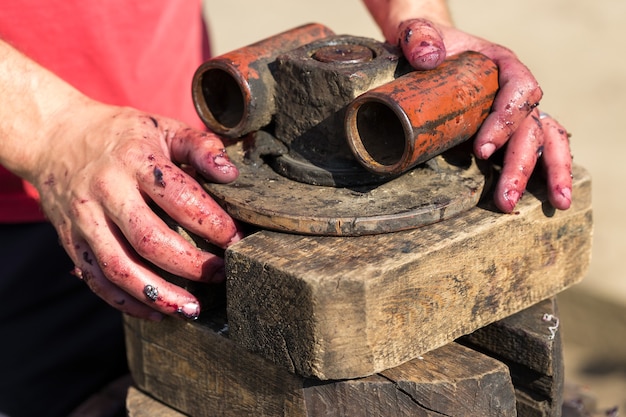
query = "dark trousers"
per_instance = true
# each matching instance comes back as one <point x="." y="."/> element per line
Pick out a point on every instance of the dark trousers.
<point x="59" y="343"/>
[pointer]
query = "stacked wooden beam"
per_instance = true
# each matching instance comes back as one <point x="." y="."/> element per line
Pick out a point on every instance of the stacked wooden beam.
<point x="370" y="325"/>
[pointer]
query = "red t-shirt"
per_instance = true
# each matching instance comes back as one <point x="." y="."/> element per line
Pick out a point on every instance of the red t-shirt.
<point x="135" y="53"/>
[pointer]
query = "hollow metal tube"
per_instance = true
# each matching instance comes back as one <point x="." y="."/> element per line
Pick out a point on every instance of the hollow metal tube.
<point x="403" y="123"/>
<point x="234" y="92"/>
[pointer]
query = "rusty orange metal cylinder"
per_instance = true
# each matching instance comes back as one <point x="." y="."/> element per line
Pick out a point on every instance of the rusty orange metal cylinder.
<point x="401" y="124"/>
<point x="234" y="92"/>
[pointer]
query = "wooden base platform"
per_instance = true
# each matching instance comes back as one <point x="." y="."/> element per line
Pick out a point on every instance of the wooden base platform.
<point x="336" y="308"/>
<point x="200" y="372"/>
<point x="374" y="325"/>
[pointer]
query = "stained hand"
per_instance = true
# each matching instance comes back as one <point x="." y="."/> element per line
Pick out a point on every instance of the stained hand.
<point x="105" y="170"/>
<point x="514" y="120"/>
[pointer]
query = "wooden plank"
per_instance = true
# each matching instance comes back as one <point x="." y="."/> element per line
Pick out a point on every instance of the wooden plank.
<point x="451" y="380"/>
<point x="198" y="371"/>
<point x="529" y="343"/>
<point x="192" y="368"/>
<point x="456" y="381"/>
<point x="337" y="308"/>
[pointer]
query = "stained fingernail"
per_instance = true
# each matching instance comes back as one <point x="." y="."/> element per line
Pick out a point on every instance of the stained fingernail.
<point x="236" y="238"/>
<point x="221" y="159"/>
<point x="427" y="57"/>
<point x="566" y="193"/>
<point x="77" y="272"/>
<point x="486" y="150"/>
<point x="189" y="311"/>
<point x="225" y="170"/>
<point x="421" y="43"/>
<point x="512" y="197"/>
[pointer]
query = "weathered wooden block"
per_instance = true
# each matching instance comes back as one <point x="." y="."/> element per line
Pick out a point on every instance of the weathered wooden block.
<point x="529" y="343"/>
<point x="337" y="308"/>
<point x="200" y="372"/>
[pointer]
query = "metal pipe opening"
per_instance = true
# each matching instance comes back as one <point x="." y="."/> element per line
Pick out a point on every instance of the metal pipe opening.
<point x="376" y="135"/>
<point x="223" y="97"/>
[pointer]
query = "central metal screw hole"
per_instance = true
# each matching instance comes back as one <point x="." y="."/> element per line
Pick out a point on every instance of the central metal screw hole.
<point x="344" y="54"/>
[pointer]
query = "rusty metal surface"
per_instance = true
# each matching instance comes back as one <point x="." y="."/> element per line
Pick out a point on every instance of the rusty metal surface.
<point x="337" y="122"/>
<point x="342" y="102"/>
<point x="315" y="83"/>
<point x="234" y="92"/>
<point x="401" y="124"/>
<point x="441" y="189"/>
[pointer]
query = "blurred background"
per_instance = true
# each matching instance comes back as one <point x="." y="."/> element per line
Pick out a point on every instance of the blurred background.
<point x="575" y="49"/>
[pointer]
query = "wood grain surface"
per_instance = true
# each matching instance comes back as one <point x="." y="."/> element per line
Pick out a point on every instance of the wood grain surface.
<point x="192" y="369"/>
<point x="347" y="307"/>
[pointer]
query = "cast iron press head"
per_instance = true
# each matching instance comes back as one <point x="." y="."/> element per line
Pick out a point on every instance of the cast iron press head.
<point x="339" y="136"/>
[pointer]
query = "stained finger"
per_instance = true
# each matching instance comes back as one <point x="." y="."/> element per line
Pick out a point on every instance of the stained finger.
<point x="205" y="152"/>
<point x="148" y="234"/>
<point x="88" y="270"/>
<point x="122" y="268"/>
<point x="557" y="161"/>
<point x="518" y="94"/>
<point x="421" y="43"/>
<point x="519" y="162"/>
<point x="156" y="242"/>
<point x="182" y="198"/>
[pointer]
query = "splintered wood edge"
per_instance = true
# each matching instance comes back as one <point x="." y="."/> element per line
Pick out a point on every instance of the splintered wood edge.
<point x="337" y="308"/>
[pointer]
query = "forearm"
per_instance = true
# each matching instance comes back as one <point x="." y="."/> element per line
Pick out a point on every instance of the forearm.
<point x="34" y="100"/>
<point x="388" y="14"/>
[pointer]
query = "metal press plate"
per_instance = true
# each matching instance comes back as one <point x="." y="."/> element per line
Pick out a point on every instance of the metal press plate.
<point x="443" y="188"/>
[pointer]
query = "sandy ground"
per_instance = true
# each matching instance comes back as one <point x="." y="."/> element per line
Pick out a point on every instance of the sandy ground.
<point x="575" y="49"/>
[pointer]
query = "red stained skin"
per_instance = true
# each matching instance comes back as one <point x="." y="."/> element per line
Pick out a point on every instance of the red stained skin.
<point x="122" y="163"/>
<point x="50" y="180"/>
<point x="205" y="151"/>
<point x="421" y="43"/>
<point x="189" y="310"/>
<point x="519" y="94"/>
